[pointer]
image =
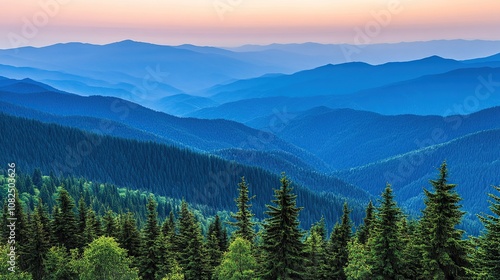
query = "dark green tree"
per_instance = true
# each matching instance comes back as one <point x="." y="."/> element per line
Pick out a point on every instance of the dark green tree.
<point x="37" y="244"/>
<point x="110" y="225"/>
<point x="244" y="225"/>
<point x="193" y="257"/>
<point x="364" y="230"/>
<point x="385" y="243"/>
<point x="282" y="236"/>
<point x="65" y="222"/>
<point x="337" y="252"/>
<point x="82" y="222"/>
<point x="149" y="260"/>
<point x="130" y="237"/>
<point x="489" y="253"/>
<point x="444" y="250"/>
<point x="37" y="178"/>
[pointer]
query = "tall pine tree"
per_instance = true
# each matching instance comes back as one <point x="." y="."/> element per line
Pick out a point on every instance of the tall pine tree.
<point x="244" y="225"/>
<point x="385" y="243"/>
<point x="444" y="251"/>
<point x="489" y="256"/>
<point x="282" y="237"/>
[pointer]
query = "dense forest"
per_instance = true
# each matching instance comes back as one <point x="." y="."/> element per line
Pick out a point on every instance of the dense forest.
<point x="161" y="169"/>
<point x="99" y="236"/>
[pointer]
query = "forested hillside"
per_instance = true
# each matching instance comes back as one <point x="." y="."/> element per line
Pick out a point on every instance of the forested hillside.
<point x="74" y="241"/>
<point x="161" y="169"/>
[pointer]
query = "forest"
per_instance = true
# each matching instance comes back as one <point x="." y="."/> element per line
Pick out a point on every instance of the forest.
<point x="69" y="228"/>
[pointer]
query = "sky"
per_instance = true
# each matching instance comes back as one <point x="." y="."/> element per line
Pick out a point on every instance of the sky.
<point x="238" y="22"/>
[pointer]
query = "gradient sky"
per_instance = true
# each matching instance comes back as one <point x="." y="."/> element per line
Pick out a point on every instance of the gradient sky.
<point x="238" y="22"/>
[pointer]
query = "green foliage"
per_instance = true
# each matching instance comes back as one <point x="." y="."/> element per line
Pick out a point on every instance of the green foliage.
<point x="489" y="251"/>
<point x="365" y="229"/>
<point x="59" y="265"/>
<point x="282" y="236"/>
<point x="444" y="250"/>
<point x="238" y="263"/>
<point x="244" y="225"/>
<point x="5" y="273"/>
<point x="386" y="246"/>
<point x="104" y="259"/>
<point x="149" y="260"/>
<point x="337" y="252"/>
<point x="358" y="266"/>
<point x="65" y="223"/>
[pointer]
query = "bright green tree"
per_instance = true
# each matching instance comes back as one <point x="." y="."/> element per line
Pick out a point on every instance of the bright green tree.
<point x="5" y="273"/>
<point x="314" y="255"/>
<point x="238" y="263"/>
<point x="282" y="236"/>
<point x="104" y="259"/>
<point x="59" y="265"/>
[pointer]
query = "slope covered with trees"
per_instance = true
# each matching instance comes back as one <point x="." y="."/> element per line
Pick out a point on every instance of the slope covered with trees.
<point x="112" y="245"/>
<point x="163" y="170"/>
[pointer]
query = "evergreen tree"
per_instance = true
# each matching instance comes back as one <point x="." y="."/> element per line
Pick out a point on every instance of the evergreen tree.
<point x="92" y="227"/>
<point x="314" y="255"/>
<point x="282" y="236"/>
<point x="130" y="237"/>
<point x="193" y="256"/>
<point x="82" y="222"/>
<point x="385" y="244"/>
<point x="489" y="257"/>
<point x="65" y="223"/>
<point x="337" y="251"/>
<point x="110" y="225"/>
<point x="37" y="178"/>
<point x="37" y="245"/>
<point x="364" y="231"/>
<point x="244" y="225"/>
<point x="444" y="251"/>
<point x="150" y="253"/>
<point x="220" y="233"/>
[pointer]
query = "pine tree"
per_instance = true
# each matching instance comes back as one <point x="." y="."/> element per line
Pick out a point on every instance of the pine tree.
<point x="130" y="237"/>
<point x="65" y="223"/>
<point x="385" y="244"/>
<point x="282" y="236"/>
<point x="38" y="244"/>
<point x="489" y="257"/>
<point x="92" y="227"/>
<point x="364" y="231"/>
<point x="314" y="255"/>
<point x="444" y="251"/>
<point x="337" y="251"/>
<point x="37" y="178"/>
<point x="82" y="222"/>
<point x="149" y="259"/>
<point x="244" y="225"/>
<point x="193" y="256"/>
<point x="110" y="225"/>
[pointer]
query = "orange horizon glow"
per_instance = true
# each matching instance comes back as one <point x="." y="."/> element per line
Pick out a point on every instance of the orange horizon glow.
<point x="238" y="22"/>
